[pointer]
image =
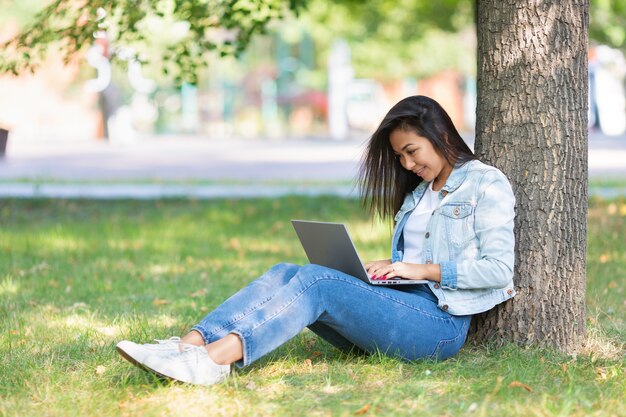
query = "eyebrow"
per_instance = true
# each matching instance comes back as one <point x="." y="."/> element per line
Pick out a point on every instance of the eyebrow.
<point x="404" y="147"/>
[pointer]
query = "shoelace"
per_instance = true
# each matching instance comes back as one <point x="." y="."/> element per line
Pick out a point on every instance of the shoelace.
<point x="192" y="353"/>
<point x="186" y="347"/>
<point x="173" y="339"/>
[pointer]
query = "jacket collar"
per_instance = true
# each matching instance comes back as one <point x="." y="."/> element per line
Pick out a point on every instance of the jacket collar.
<point x="457" y="176"/>
<point x="454" y="181"/>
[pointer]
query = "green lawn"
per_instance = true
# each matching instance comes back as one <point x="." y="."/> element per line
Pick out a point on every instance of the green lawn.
<point x="78" y="276"/>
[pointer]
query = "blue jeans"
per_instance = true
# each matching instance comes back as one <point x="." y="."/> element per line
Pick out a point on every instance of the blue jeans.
<point x="350" y="314"/>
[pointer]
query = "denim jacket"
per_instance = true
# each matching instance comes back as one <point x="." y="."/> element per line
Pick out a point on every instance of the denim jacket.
<point x="470" y="235"/>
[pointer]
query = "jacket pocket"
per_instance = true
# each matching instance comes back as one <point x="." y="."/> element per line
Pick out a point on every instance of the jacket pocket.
<point x="459" y="222"/>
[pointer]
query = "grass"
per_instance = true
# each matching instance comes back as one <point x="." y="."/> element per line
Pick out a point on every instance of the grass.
<point x="77" y="276"/>
<point x="618" y="182"/>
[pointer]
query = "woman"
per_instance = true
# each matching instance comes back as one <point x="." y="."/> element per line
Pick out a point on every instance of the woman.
<point x="453" y="227"/>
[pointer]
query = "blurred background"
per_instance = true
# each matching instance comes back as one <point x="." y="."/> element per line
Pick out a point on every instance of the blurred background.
<point x="330" y="73"/>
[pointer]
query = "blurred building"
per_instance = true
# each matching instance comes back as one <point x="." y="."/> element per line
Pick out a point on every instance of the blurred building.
<point x="279" y="89"/>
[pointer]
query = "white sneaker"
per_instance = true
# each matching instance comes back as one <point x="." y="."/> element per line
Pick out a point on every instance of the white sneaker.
<point x="192" y="365"/>
<point x="137" y="354"/>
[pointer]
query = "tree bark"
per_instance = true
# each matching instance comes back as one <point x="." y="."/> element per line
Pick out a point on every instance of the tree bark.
<point x="532" y="124"/>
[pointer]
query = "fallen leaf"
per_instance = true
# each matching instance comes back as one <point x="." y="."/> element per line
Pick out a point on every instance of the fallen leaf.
<point x="100" y="370"/>
<point x="362" y="410"/>
<point x="308" y="363"/>
<point x="234" y="244"/>
<point x="198" y="293"/>
<point x="612" y="285"/>
<point x="517" y="384"/>
<point x="251" y="386"/>
<point x="315" y="354"/>
<point x="601" y="373"/>
<point x="604" y="258"/>
<point x="159" y="302"/>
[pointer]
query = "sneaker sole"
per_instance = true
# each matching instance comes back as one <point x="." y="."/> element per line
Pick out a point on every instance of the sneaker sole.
<point x="129" y="358"/>
<point x="148" y="369"/>
<point x="139" y="365"/>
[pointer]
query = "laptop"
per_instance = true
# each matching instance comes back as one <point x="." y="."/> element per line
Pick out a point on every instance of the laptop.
<point x="330" y="245"/>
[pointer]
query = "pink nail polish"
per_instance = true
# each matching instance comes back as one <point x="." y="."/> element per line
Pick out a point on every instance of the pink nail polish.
<point x="374" y="277"/>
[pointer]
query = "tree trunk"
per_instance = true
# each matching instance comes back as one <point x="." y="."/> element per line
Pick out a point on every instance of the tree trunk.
<point x="532" y="124"/>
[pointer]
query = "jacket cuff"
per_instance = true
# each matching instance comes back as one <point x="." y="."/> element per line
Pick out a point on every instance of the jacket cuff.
<point x="448" y="275"/>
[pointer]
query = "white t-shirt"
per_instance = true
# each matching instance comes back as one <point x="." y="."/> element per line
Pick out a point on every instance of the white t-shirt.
<point x="415" y="226"/>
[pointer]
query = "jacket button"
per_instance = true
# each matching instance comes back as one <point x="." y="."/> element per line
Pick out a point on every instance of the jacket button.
<point x="445" y="307"/>
<point x="436" y="286"/>
<point x="509" y="291"/>
<point x="427" y="235"/>
<point x="444" y="193"/>
<point x="429" y="262"/>
<point x="457" y="212"/>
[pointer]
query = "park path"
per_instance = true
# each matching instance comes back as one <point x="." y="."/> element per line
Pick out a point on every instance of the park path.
<point x="190" y="166"/>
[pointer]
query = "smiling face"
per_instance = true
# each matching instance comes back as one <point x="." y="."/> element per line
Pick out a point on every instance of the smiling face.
<point x="418" y="155"/>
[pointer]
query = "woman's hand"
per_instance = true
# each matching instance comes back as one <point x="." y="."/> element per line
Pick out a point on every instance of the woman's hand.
<point x="387" y="270"/>
<point x="373" y="268"/>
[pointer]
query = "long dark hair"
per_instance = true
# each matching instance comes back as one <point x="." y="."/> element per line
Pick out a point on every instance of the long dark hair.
<point x="383" y="181"/>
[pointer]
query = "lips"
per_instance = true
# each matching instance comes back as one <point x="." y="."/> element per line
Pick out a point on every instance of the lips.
<point x="419" y="172"/>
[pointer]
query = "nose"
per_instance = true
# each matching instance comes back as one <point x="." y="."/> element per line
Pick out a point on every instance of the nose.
<point x="407" y="163"/>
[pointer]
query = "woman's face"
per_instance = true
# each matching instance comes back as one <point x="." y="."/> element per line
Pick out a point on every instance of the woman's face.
<point x="419" y="156"/>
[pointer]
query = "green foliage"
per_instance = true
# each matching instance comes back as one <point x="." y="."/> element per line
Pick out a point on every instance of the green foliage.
<point x="608" y="22"/>
<point x="389" y="38"/>
<point x="78" y="276"/>
<point x="394" y="39"/>
<point x="204" y="26"/>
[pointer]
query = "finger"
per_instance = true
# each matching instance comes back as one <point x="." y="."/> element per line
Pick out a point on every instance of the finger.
<point x="393" y="270"/>
<point x="383" y="272"/>
<point x="380" y="271"/>
<point x="376" y="271"/>
<point x="391" y="274"/>
<point x="372" y="265"/>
